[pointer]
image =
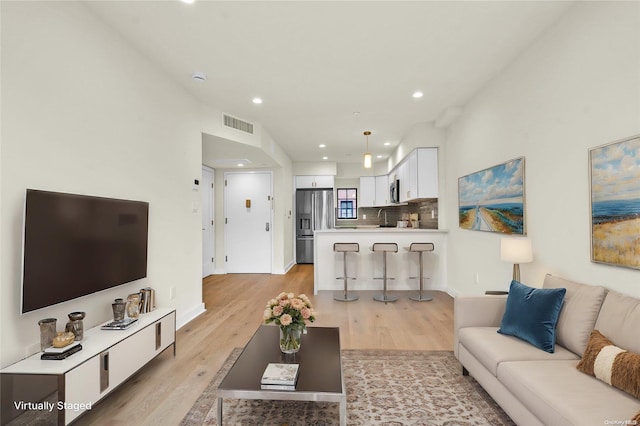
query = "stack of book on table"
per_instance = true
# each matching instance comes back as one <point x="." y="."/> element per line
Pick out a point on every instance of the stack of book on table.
<point x="280" y="376"/>
<point x="61" y="353"/>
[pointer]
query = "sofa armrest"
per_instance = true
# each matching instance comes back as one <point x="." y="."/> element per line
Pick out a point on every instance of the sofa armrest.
<point x="476" y="311"/>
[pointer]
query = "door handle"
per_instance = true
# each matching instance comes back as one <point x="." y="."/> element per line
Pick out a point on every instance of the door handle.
<point x="266" y="228"/>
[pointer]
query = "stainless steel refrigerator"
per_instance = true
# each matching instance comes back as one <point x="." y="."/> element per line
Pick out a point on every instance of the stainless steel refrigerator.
<point x="314" y="211"/>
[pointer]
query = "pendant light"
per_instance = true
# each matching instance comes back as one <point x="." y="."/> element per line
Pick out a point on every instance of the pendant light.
<point x="367" y="154"/>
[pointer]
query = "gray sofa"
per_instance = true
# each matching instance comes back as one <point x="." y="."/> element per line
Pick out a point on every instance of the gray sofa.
<point x="535" y="387"/>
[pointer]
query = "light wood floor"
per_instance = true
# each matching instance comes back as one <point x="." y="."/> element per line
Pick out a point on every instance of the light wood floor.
<point x="163" y="391"/>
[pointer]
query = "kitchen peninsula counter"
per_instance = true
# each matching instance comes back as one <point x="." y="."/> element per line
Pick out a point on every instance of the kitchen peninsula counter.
<point x="367" y="265"/>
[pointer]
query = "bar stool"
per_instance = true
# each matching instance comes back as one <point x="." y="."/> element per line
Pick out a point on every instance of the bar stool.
<point x="345" y="248"/>
<point x="420" y="248"/>
<point x="385" y="248"/>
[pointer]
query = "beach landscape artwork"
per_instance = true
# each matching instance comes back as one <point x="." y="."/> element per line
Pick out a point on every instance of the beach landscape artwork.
<point x="615" y="203"/>
<point x="493" y="199"/>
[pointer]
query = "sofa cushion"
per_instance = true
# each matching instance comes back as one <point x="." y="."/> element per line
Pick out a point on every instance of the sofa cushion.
<point x="579" y="312"/>
<point x="561" y="395"/>
<point x="531" y="314"/>
<point x="491" y="348"/>
<point x="619" y="320"/>
<point x="611" y="364"/>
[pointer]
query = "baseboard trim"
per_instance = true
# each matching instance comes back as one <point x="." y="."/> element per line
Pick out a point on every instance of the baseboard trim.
<point x="289" y="266"/>
<point x="190" y="315"/>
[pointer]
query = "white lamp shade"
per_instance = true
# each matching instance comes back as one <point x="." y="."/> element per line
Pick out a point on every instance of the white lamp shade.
<point x="516" y="250"/>
<point x="367" y="161"/>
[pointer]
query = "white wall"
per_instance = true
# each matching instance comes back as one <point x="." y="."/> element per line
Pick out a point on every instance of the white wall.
<point x="82" y="112"/>
<point x="315" y="168"/>
<point x="283" y="237"/>
<point x="351" y="171"/>
<point x="575" y="88"/>
<point x="419" y="136"/>
<point x="282" y="258"/>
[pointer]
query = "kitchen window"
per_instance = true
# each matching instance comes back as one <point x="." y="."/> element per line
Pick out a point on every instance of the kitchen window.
<point x="347" y="203"/>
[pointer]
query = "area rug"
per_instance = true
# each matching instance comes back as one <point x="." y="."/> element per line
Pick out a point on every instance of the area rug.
<point x="391" y="388"/>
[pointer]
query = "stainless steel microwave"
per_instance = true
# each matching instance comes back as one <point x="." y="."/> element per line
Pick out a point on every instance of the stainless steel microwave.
<point x="394" y="191"/>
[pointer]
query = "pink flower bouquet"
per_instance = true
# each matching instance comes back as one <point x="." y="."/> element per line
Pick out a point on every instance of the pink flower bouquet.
<point x="291" y="313"/>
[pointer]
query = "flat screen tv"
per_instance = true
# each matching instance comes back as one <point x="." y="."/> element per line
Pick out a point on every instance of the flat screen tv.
<point x="75" y="245"/>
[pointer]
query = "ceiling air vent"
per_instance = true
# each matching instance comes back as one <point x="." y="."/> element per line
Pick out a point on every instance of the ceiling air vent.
<point x="236" y="123"/>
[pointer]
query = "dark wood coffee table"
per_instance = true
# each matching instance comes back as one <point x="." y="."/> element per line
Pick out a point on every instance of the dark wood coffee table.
<point x="319" y="378"/>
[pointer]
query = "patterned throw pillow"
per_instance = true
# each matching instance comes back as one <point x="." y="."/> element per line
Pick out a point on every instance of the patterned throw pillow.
<point x="611" y="364"/>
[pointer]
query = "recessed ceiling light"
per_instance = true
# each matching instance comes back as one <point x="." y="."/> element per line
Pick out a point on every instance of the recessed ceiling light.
<point x="240" y="165"/>
<point x="387" y="143"/>
<point x="257" y="101"/>
<point x="325" y="158"/>
<point x="418" y="94"/>
<point x="378" y="156"/>
<point x="188" y="1"/>
<point x="322" y="145"/>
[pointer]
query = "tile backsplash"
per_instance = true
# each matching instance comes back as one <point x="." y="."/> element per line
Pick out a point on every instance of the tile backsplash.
<point x="376" y="215"/>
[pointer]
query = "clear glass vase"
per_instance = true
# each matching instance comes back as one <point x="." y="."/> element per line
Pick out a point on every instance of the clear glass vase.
<point x="290" y="339"/>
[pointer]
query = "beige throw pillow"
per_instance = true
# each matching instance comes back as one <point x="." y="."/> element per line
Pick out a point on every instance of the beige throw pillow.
<point x="579" y="312"/>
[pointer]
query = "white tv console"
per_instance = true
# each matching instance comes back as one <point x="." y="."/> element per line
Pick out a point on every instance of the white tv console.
<point x="71" y="386"/>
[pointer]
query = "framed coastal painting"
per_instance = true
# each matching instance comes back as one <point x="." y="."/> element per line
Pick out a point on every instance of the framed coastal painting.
<point x="493" y="199"/>
<point x="615" y="203"/>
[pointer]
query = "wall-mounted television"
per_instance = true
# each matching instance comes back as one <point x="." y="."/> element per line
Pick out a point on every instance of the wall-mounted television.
<point x="75" y="245"/>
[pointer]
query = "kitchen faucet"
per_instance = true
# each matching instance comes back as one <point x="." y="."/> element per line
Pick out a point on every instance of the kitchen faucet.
<point x="385" y="215"/>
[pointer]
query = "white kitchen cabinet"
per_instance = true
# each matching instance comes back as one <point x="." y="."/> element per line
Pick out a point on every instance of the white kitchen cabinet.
<point x="107" y="359"/>
<point x="321" y="181"/>
<point x="408" y="177"/>
<point x="374" y="191"/>
<point x="412" y="176"/>
<point x="427" y="168"/>
<point x="303" y="182"/>
<point x="382" y="190"/>
<point x="418" y="175"/>
<point x="325" y="181"/>
<point x="403" y="177"/>
<point x="367" y="193"/>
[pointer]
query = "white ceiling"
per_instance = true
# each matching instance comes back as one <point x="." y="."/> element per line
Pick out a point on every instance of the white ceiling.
<point x="316" y="63"/>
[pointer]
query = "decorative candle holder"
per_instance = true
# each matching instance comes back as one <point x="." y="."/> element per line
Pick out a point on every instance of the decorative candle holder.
<point x="75" y="325"/>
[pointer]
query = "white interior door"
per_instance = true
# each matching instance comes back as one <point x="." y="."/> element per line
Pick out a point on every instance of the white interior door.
<point x="248" y="207"/>
<point x="208" y="228"/>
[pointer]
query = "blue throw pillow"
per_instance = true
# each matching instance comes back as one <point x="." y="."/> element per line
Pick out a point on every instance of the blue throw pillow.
<point x="532" y="314"/>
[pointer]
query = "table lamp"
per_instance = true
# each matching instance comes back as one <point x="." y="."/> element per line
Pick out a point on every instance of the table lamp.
<point x="516" y="251"/>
